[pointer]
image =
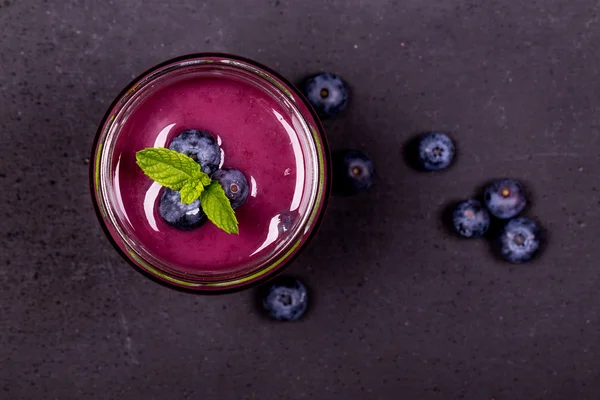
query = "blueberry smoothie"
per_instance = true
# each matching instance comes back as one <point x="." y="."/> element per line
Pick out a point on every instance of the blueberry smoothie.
<point x="263" y="147"/>
<point x="255" y="138"/>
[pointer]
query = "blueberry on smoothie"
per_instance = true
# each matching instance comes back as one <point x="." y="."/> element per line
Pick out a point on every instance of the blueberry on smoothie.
<point x="435" y="151"/>
<point x="470" y="219"/>
<point x="234" y="184"/>
<point x="201" y="146"/>
<point x="519" y="240"/>
<point x="179" y="215"/>
<point x="505" y="198"/>
<point x="353" y="171"/>
<point x="285" y="299"/>
<point x="327" y="93"/>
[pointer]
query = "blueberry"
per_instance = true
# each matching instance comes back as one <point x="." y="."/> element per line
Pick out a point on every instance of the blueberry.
<point x="470" y="219"/>
<point x="234" y="184"/>
<point x="178" y="215"/>
<point x="201" y="146"/>
<point x="353" y="171"/>
<point x="505" y="198"/>
<point x="519" y="240"/>
<point x="436" y="151"/>
<point x="327" y="93"/>
<point x="285" y="299"/>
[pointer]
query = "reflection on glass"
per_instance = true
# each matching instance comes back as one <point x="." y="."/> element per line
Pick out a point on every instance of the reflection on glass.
<point x="253" y="187"/>
<point x="299" y="161"/>
<point x="272" y="235"/>
<point x="161" y="139"/>
<point x="118" y="191"/>
<point x="149" y="201"/>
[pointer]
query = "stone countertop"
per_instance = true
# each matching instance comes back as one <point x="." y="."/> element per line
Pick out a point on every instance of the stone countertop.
<point x="401" y="309"/>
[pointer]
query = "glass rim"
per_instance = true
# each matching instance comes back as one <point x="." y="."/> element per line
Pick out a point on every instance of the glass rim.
<point x="283" y="256"/>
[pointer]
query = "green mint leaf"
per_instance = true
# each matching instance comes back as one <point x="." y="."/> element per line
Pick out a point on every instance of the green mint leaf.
<point x="218" y="209"/>
<point x="191" y="191"/>
<point x="169" y="168"/>
<point x="204" y="179"/>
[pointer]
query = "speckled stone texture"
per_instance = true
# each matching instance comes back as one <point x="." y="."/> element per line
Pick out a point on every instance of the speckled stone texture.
<point x="401" y="310"/>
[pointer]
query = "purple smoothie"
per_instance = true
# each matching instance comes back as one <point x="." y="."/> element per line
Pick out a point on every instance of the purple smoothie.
<point x="257" y="137"/>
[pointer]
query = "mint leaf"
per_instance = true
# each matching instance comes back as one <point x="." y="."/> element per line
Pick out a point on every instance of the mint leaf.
<point x="218" y="209"/>
<point x="169" y="168"/>
<point x="191" y="191"/>
<point x="204" y="179"/>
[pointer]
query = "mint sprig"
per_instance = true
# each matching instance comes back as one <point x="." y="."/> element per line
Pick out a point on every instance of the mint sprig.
<point x="177" y="171"/>
<point x="191" y="191"/>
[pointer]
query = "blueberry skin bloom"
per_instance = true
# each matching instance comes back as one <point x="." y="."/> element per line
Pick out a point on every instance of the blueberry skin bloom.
<point x="234" y="184"/>
<point x="353" y="172"/>
<point x="505" y="198"/>
<point x="519" y="240"/>
<point x="201" y="146"/>
<point x="436" y="151"/>
<point x="285" y="299"/>
<point x="470" y="219"/>
<point x="179" y="215"/>
<point x="327" y="93"/>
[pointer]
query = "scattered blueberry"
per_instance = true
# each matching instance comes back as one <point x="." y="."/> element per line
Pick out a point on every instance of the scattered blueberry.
<point x="286" y="221"/>
<point x="353" y="171"/>
<point x="285" y="299"/>
<point x="234" y="184"/>
<point x="505" y="198"/>
<point x="201" y="146"/>
<point x="519" y="240"/>
<point x="327" y="93"/>
<point x="436" y="151"/>
<point x="470" y="219"/>
<point x="178" y="215"/>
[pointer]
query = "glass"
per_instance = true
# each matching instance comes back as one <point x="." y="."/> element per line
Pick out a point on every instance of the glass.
<point x="117" y="191"/>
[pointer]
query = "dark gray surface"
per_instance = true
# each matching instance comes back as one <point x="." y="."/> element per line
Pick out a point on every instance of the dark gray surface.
<point x="402" y="311"/>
